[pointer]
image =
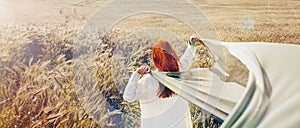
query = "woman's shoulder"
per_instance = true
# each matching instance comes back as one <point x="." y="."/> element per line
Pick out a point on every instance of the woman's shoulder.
<point x="148" y="77"/>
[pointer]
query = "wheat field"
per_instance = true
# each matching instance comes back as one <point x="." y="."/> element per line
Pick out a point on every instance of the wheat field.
<point x="48" y="81"/>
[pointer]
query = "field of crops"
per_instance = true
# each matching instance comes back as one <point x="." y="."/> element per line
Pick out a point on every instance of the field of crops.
<point x="48" y="81"/>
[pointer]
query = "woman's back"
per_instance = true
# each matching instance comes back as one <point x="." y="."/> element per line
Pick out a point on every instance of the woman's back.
<point x="172" y="112"/>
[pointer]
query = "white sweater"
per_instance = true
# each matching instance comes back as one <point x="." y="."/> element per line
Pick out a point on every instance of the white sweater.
<point x="172" y="112"/>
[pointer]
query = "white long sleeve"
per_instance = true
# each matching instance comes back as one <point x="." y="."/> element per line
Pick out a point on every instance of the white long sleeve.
<point x="131" y="93"/>
<point x="187" y="57"/>
<point x="139" y="88"/>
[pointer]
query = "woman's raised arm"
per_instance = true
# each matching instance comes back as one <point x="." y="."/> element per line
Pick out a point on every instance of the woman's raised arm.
<point x="188" y="55"/>
<point x="135" y="86"/>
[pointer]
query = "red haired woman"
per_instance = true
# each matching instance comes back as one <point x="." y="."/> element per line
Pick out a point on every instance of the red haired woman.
<point x="160" y="106"/>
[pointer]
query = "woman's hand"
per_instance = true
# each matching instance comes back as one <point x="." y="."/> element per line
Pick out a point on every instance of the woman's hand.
<point x="143" y="70"/>
<point x="193" y="39"/>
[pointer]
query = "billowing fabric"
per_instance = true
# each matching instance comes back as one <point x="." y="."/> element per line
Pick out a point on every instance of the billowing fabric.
<point x="274" y="71"/>
<point x="270" y="98"/>
<point x="172" y="112"/>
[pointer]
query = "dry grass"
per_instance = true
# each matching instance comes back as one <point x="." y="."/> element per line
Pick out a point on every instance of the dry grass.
<point x="262" y="21"/>
<point x="43" y="84"/>
<point x="37" y="87"/>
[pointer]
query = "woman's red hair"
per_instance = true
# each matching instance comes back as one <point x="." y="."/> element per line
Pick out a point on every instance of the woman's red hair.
<point x="166" y="60"/>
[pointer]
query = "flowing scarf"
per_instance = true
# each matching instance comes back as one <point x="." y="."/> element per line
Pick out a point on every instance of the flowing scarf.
<point x="269" y="98"/>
